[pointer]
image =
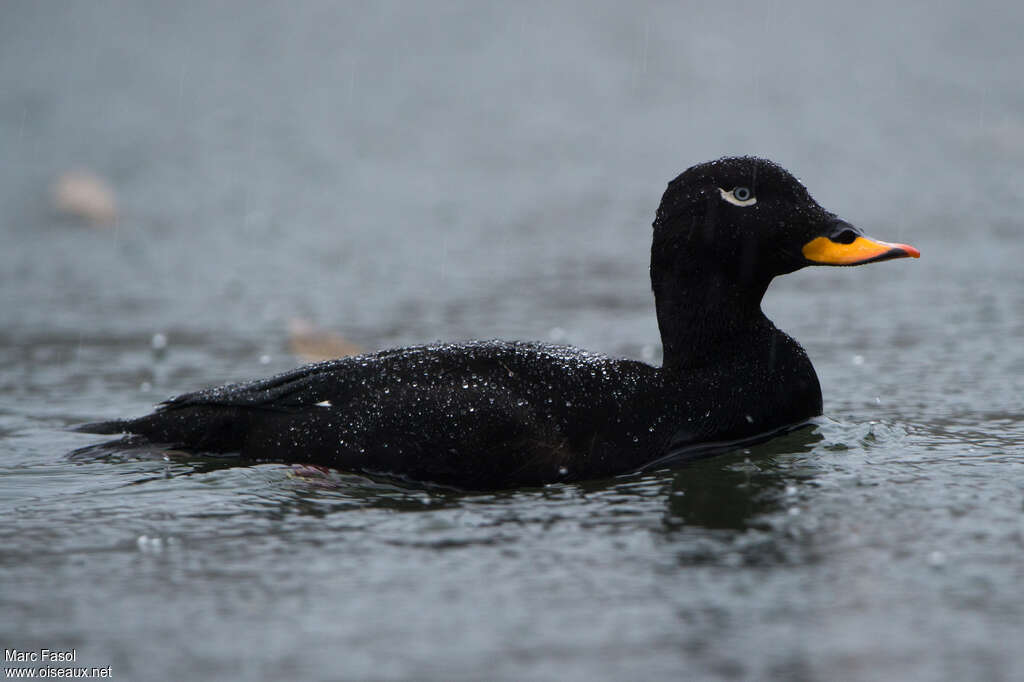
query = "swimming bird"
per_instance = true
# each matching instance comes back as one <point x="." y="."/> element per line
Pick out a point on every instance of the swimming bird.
<point x="500" y="414"/>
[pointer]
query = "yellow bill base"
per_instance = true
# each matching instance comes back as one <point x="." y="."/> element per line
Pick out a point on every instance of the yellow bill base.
<point x="861" y="250"/>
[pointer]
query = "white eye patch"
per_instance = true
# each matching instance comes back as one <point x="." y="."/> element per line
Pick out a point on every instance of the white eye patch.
<point x="739" y="196"/>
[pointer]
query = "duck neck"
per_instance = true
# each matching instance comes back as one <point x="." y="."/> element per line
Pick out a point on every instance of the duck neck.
<point x="708" y="317"/>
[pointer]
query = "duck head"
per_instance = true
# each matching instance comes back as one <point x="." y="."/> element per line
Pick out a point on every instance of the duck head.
<point x="745" y="220"/>
<point x="723" y="230"/>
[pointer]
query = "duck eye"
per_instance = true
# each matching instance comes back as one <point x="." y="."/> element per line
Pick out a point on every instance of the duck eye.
<point x="739" y="196"/>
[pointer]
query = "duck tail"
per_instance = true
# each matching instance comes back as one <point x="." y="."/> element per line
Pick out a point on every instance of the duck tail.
<point x="110" y="428"/>
<point x="204" y="427"/>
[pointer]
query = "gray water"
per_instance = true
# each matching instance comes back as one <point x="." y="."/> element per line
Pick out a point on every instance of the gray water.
<point x="401" y="174"/>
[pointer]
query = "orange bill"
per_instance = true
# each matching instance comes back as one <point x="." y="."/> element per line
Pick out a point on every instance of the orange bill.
<point x="824" y="251"/>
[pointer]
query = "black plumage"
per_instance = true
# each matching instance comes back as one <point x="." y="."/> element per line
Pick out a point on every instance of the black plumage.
<point x="495" y="414"/>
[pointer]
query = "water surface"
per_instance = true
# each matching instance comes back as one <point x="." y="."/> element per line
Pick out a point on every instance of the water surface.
<point x="401" y="175"/>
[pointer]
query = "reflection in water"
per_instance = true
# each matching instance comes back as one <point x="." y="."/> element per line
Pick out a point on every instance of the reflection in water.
<point x="732" y="490"/>
<point x="725" y="491"/>
<point x="311" y="490"/>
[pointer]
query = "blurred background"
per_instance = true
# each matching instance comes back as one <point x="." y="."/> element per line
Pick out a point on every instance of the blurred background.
<point x="201" y="192"/>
